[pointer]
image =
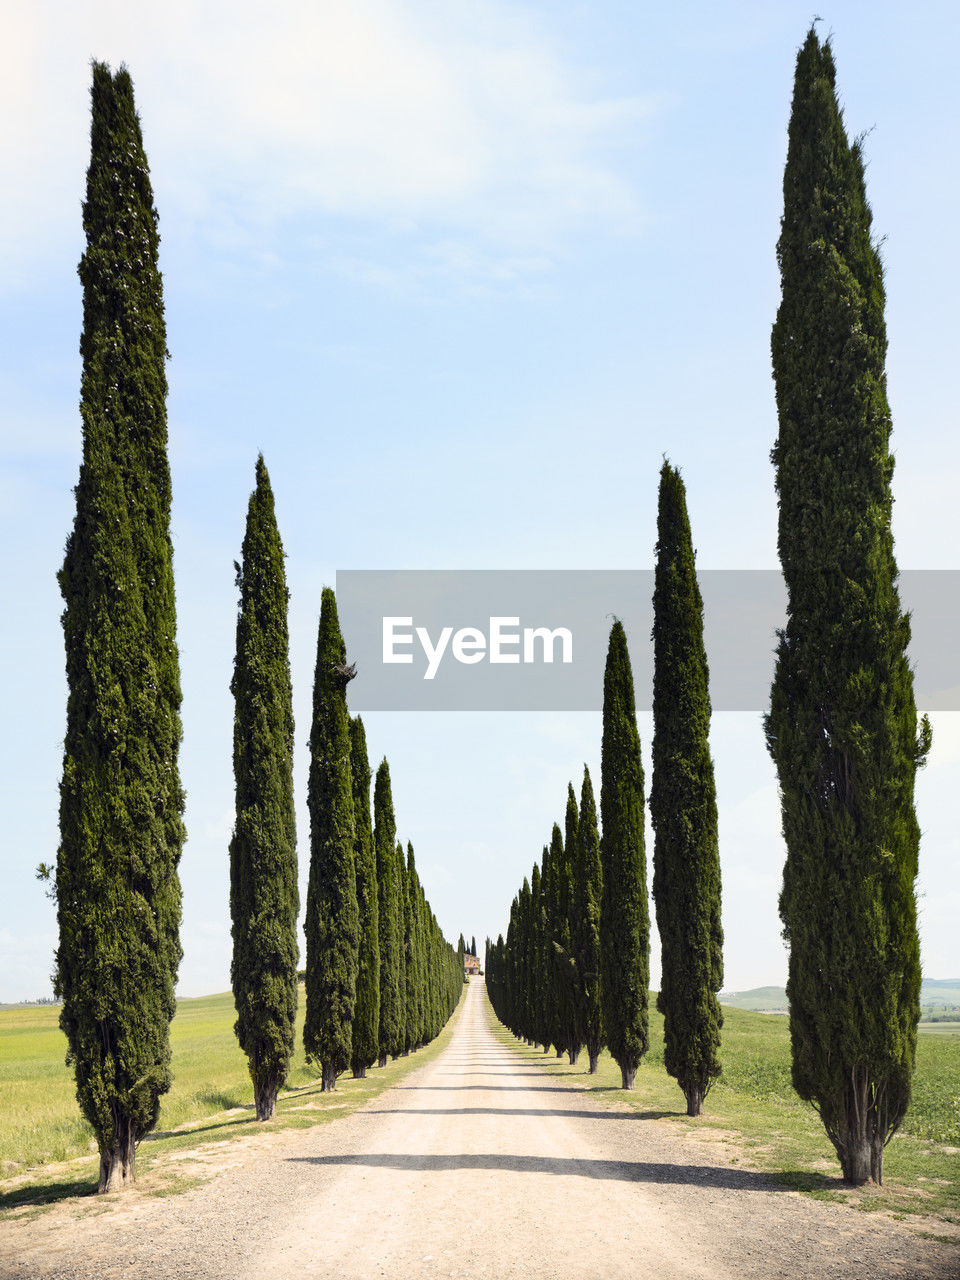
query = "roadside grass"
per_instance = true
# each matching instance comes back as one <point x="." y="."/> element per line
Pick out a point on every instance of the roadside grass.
<point x="756" y="1119"/>
<point x="47" y="1150"/>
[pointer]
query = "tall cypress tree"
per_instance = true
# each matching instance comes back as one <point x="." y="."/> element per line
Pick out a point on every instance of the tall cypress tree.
<point x="548" y="1019"/>
<point x="625" y="916"/>
<point x="121" y="803"/>
<point x="556" y="944"/>
<point x="525" y="994"/>
<point x="384" y="834"/>
<point x="535" y="981"/>
<point x="400" y="1045"/>
<point x="366" y="1016"/>
<point x="570" y="991"/>
<point x="332" y="923"/>
<point x="588" y="894"/>
<point x="683" y="804"/>
<point x="416" y="975"/>
<point x="842" y="726"/>
<point x="264" y="898"/>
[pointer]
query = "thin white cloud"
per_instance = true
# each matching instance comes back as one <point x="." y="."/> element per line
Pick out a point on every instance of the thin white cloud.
<point x="461" y="121"/>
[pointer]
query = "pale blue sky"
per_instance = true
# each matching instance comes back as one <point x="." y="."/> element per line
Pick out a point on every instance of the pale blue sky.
<point x="464" y="272"/>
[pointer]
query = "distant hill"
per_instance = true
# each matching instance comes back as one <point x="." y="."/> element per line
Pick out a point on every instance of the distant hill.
<point x="940" y="991"/>
<point x="935" y="993"/>
<point x="760" y="999"/>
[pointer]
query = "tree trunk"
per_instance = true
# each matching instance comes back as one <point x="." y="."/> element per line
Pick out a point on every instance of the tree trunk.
<point x="594" y="1058"/>
<point x="359" y="1072"/>
<point x="382" y="1060"/>
<point x="118" y="1161"/>
<point x="329" y="1078"/>
<point x="560" y="1053"/>
<point x="694" y="1100"/>
<point x="546" y="1048"/>
<point x="265" y="1098"/>
<point x="856" y="1159"/>
<point x="573" y="1053"/>
<point x="627" y="1076"/>
<point x="876" y="1160"/>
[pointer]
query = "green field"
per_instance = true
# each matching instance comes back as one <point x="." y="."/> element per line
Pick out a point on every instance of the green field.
<point x="758" y="1120"/>
<point x="211" y="1099"/>
<point x="47" y="1150"/>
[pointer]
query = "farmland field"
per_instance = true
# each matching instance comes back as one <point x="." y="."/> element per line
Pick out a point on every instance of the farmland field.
<point x="753" y="1104"/>
<point x="41" y="1125"/>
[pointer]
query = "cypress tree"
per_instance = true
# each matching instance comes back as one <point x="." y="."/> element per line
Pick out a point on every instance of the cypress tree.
<point x="535" y="1001"/>
<point x="410" y="954"/>
<point x="511" y="974"/>
<point x="430" y="999"/>
<point x="366" y="1016"/>
<point x="264" y="898"/>
<point x="416" y="971"/>
<point x="683" y="804"/>
<point x="384" y="834"/>
<point x="332" y="923"/>
<point x="121" y="803"/>
<point x="544" y="959"/>
<point x="556" y="944"/>
<point x="525" y="995"/>
<point x="842" y="727"/>
<point x="588" y="893"/>
<point x="624" y="917"/>
<point x="400" y="1045"/>
<point x="570" y="990"/>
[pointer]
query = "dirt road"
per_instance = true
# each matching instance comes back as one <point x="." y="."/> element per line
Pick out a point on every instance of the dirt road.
<point x="478" y="1165"/>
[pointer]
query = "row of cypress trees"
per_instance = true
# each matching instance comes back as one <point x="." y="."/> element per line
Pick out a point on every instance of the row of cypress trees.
<point x="380" y="978"/>
<point x="573" y="970"/>
<point x="115" y="881"/>
<point x="842" y="728"/>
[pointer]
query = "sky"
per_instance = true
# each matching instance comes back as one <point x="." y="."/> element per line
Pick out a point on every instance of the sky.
<point x="465" y="273"/>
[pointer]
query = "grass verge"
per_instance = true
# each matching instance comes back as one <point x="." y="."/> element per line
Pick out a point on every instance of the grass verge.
<point x="47" y="1150"/>
<point x="754" y="1117"/>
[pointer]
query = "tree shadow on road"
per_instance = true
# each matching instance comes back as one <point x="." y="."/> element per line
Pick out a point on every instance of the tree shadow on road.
<point x="607" y="1170"/>
<point x="545" y="1112"/>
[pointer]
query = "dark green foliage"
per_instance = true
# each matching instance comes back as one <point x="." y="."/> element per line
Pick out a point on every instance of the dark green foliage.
<point x="536" y="1003"/>
<point x="264" y="898"/>
<point x="332" y="923"/>
<point x="556" y="942"/>
<point x="624" y="917"/>
<point x="683" y="804"/>
<point x="569" y="990"/>
<point x="588" y="894"/>
<point x="121" y="803"/>
<point x="842" y="726"/>
<point x="384" y="836"/>
<point x="366" y="1015"/>
<point x="416" y="1010"/>
<point x="548" y="1015"/>
<point x="400" y="1045"/>
<point x="525" y="978"/>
